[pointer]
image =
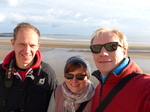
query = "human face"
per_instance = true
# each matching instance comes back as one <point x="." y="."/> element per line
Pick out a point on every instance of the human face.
<point x="106" y="61"/>
<point x="25" y="46"/>
<point x="74" y="84"/>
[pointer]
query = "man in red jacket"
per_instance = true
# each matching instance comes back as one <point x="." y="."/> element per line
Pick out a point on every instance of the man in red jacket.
<point x="26" y="82"/>
<point x="109" y="50"/>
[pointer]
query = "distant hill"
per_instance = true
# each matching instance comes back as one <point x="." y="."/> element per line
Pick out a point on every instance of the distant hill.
<point x="6" y="34"/>
<point x="11" y="34"/>
<point x="62" y="34"/>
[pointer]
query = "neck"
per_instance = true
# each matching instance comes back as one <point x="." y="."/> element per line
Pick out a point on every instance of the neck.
<point x="103" y="74"/>
<point x="25" y="66"/>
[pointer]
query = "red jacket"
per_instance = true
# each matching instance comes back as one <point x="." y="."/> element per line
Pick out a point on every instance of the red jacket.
<point x="134" y="97"/>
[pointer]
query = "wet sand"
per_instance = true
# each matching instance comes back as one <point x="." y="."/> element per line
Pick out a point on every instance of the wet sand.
<point x="57" y="52"/>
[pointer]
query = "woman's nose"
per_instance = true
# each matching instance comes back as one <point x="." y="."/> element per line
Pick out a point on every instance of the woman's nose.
<point x="74" y="79"/>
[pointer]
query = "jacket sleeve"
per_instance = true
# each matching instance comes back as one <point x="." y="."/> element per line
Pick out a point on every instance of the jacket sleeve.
<point x="145" y="97"/>
<point x="52" y="104"/>
<point x="52" y="79"/>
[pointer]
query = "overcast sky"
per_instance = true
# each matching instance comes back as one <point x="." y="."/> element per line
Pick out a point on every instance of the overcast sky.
<point x="79" y="17"/>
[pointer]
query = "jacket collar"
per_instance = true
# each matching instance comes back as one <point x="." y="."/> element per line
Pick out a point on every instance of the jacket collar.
<point x="11" y="55"/>
<point x="8" y="65"/>
<point x="128" y="69"/>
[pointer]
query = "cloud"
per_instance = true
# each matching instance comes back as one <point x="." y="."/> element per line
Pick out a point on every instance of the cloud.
<point x="135" y="3"/>
<point x="87" y="19"/>
<point x="2" y="17"/>
<point x="58" y="12"/>
<point x="13" y="3"/>
<point x="17" y="17"/>
<point x="78" y="15"/>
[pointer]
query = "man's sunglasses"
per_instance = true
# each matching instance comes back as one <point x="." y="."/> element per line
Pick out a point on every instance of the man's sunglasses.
<point x="111" y="46"/>
<point x="78" y="76"/>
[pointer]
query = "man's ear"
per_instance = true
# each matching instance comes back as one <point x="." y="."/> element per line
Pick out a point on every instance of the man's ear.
<point x="12" y="42"/>
<point x="125" y="52"/>
<point x="39" y="44"/>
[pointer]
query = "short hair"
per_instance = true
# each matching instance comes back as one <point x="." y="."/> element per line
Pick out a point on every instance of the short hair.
<point x="72" y="66"/>
<point x="25" y="26"/>
<point x="120" y="35"/>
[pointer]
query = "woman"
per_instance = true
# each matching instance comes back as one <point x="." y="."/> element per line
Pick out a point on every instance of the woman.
<point x="74" y="94"/>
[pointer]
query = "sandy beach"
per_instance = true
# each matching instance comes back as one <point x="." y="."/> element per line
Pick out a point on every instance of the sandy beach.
<point x="57" y="52"/>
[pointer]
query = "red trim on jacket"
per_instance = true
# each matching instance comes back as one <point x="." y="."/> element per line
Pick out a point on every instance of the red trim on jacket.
<point x="22" y="73"/>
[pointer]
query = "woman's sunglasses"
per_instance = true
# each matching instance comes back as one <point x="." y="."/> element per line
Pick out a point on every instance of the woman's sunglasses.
<point x="111" y="46"/>
<point x="78" y="76"/>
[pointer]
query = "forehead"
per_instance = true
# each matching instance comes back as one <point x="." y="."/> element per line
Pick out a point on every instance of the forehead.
<point x="105" y="38"/>
<point x="26" y="32"/>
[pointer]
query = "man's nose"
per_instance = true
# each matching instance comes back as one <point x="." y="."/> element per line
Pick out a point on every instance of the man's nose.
<point x="103" y="52"/>
<point x="27" y="48"/>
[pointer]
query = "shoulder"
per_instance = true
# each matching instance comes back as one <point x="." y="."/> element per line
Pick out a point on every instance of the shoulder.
<point x="58" y="90"/>
<point x="1" y="67"/>
<point x="58" y="93"/>
<point x="59" y="98"/>
<point x="46" y="68"/>
<point x="49" y="72"/>
<point x="88" y="106"/>
<point x="140" y="87"/>
<point x="140" y="83"/>
<point x="2" y="71"/>
<point x="45" y="65"/>
<point x="143" y="78"/>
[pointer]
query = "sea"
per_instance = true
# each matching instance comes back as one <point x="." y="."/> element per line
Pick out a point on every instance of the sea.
<point x="131" y="40"/>
<point x="80" y="38"/>
<point x="143" y="63"/>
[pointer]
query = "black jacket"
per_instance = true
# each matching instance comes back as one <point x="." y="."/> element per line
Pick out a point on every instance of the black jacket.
<point x="30" y="95"/>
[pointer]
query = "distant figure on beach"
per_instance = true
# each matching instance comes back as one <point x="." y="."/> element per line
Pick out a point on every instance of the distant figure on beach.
<point x="75" y="93"/>
<point x="26" y="82"/>
<point x="132" y="94"/>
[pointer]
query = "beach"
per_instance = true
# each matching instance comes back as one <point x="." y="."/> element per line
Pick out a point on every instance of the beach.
<point x="57" y="52"/>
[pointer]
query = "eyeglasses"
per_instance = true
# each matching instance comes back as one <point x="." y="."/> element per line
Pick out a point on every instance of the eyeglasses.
<point x="78" y="76"/>
<point x="111" y="46"/>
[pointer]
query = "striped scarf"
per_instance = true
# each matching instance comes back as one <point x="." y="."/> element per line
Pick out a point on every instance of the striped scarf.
<point x="73" y="98"/>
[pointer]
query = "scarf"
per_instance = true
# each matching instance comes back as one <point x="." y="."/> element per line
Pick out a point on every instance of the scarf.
<point x="74" y="98"/>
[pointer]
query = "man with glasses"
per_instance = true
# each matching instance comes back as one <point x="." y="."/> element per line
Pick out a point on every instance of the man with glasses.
<point x="116" y="92"/>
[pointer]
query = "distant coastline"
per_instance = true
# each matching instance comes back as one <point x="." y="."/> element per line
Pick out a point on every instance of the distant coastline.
<point x="6" y="34"/>
<point x="78" y="38"/>
<point x="11" y="35"/>
<point x="51" y="50"/>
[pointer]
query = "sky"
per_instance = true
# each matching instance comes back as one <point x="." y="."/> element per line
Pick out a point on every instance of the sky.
<point x="77" y="17"/>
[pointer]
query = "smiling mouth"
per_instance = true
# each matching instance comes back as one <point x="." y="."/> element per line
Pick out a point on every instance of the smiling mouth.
<point x="104" y="61"/>
<point x="26" y="56"/>
<point x="73" y="85"/>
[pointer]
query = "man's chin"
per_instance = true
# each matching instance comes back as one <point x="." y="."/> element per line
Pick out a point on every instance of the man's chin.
<point x="25" y="65"/>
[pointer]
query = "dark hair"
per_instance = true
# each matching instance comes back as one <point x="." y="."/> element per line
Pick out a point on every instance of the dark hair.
<point x="25" y="26"/>
<point x="71" y="67"/>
